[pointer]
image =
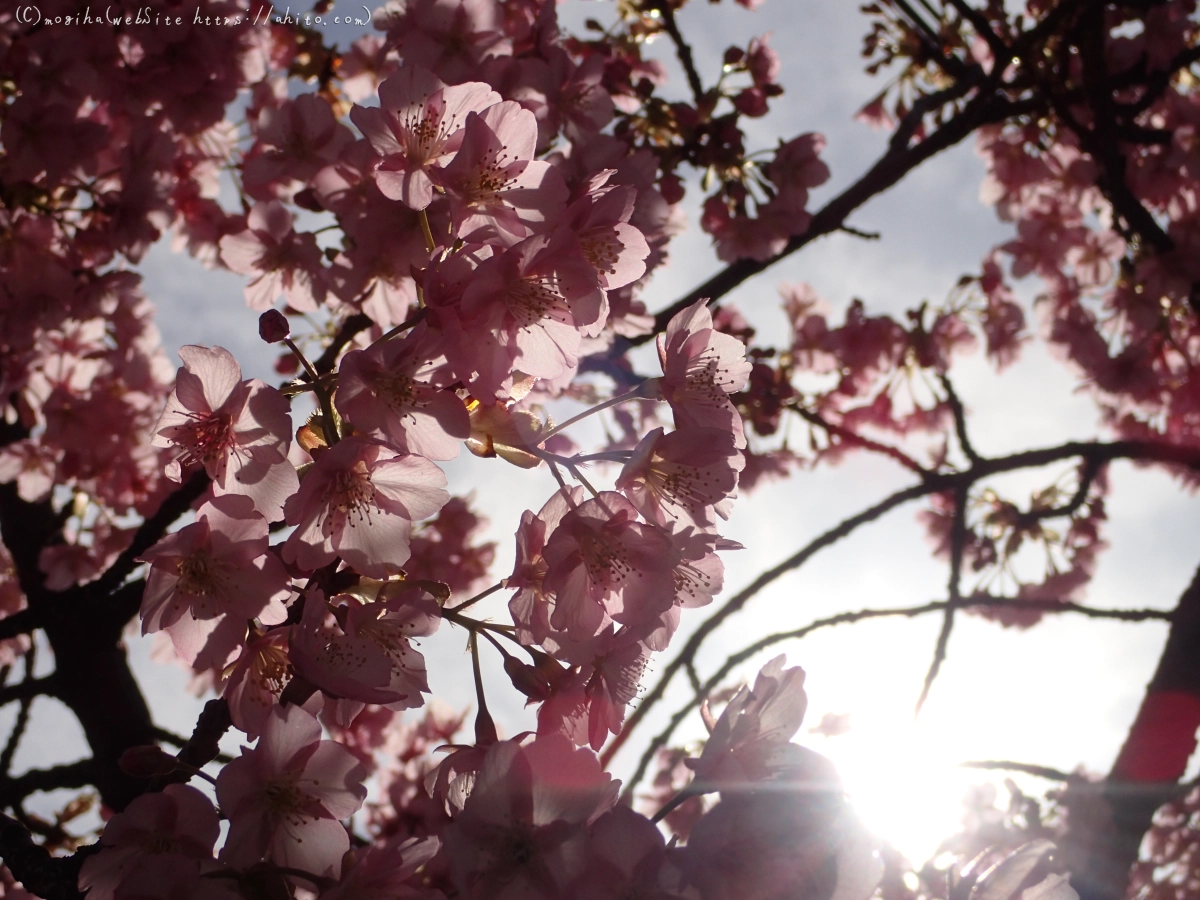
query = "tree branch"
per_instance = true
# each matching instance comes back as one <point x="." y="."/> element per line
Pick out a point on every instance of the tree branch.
<point x="682" y="49"/>
<point x="958" y="545"/>
<point x="736" y="659"/>
<point x="936" y="483"/>
<point x="40" y="873"/>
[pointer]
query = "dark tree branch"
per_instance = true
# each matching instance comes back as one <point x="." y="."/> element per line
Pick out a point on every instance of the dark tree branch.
<point x="900" y="159"/>
<point x="205" y="743"/>
<point x="30" y="685"/>
<point x="1153" y="758"/>
<point x="70" y="775"/>
<point x="1055" y="606"/>
<point x="960" y="419"/>
<point x="1000" y="50"/>
<point x="40" y="873"/>
<point x="1145" y="451"/>
<point x="958" y="546"/>
<point x="857" y="440"/>
<point x="683" y="50"/>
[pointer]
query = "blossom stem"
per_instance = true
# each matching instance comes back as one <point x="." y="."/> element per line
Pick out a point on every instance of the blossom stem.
<point x="485" y="726"/>
<point x="639" y="390"/>
<point x="692" y="790"/>
<point x="411" y="322"/>
<point x="328" y="422"/>
<point x="430" y="243"/>
<point x="473" y="600"/>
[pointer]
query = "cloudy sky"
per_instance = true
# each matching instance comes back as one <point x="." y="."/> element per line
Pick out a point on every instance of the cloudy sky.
<point x="1062" y="694"/>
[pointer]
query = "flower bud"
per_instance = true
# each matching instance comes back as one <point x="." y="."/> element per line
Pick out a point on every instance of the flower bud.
<point x="273" y="326"/>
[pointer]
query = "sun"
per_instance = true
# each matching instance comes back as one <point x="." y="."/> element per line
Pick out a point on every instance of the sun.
<point x="902" y="783"/>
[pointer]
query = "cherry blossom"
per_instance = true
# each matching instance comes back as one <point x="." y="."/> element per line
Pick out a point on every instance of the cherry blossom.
<point x="604" y="565"/>
<point x="179" y="822"/>
<point x="685" y="475"/>
<point x="498" y="192"/>
<point x="279" y="260"/>
<point x="361" y="649"/>
<point x="213" y="575"/>
<point x="237" y="430"/>
<point x="523" y="829"/>
<point x="417" y="126"/>
<point x="701" y="368"/>
<point x="284" y="798"/>
<point x="359" y="502"/>
<point x="749" y="742"/>
<point x="387" y="391"/>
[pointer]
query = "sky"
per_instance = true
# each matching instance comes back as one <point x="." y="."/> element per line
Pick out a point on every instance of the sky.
<point x="1062" y="694"/>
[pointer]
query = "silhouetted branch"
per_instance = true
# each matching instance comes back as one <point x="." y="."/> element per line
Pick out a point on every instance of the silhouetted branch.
<point x="852" y="438"/>
<point x="1051" y="606"/>
<point x="1146" y="451"/>
<point x="958" y="546"/>
<point x="960" y="419"/>
<point x="30" y="685"/>
<point x="70" y="775"/>
<point x="40" y="873"/>
<point x="682" y="49"/>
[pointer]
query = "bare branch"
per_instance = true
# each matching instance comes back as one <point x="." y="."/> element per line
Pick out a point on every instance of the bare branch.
<point x="733" y="661"/>
<point x="29" y="683"/>
<point x="854" y="439"/>
<point x="682" y="49"/>
<point x="958" y="546"/>
<point x="70" y="775"/>
<point x="960" y="419"/>
<point x="1145" y="451"/>
<point x="40" y="873"/>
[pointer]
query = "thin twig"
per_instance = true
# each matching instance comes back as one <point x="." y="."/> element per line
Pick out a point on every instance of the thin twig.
<point x="958" y="546"/>
<point x="682" y="49"/>
<point x="960" y="419"/>
<point x="852" y="437"/>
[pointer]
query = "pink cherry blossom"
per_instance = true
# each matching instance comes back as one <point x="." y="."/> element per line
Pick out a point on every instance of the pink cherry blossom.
<point x="295" y="140"/>
<point x="604" y="565"/>
<point x="701" y="368"/>
<point x="417" y="126"/>
<point x="449" y="37"/>
<point x="212" y="575"/>
<point x="284" y="798"/>
<point x="629" y="858"/>
<point x="498" y="191"/>
<point x="531" y="604"/>
<point x="599" y="220"/>
<point x="526" y="308"/>
<point x="682" y="476"/>
<point x="385" y="872"/>
<point x="278" y="259"/>
<point x="388" y="392"/>
<point x="359" y="502"/>
<point x="178" y="822"/>
<point x="238" y="430"/>
<point x="361" y="648"/>
<point x="256" y="679"/>
<point x="749" y="742"/>
<point x="523" y="830"/>
<point x="798" y="838"/>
